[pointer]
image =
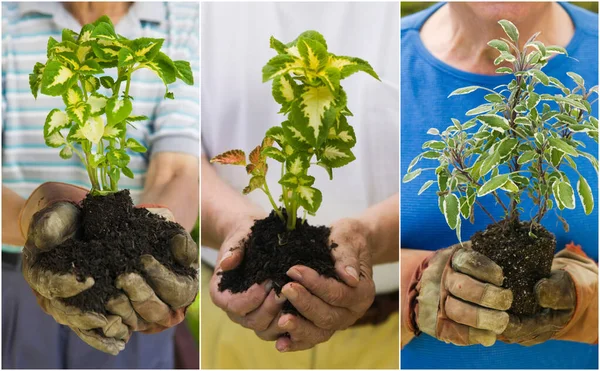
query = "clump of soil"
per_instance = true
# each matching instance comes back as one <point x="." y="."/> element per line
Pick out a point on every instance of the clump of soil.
<point x="112" y="238"/>
<point x="271" y="250"/>
<point x="524" y="260"/>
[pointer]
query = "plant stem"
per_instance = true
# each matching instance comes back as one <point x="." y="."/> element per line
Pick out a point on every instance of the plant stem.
<point x="291" y="214"/>
<point x="273" y="204"/>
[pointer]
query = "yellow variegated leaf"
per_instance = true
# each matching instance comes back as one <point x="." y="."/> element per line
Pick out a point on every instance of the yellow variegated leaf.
<point x="82" y="52"/>
<point x="233" y="157"/>
<point x="73" y="96"/>
<point x="79" y="112"/>
<point x="93" y="129"/>
<point x="313" y="53"/>
<point x="55" y="140"/>
<point x="111" y="132"/>
<point x="56" y="78"/>
<point x="297" y="164"/>
<point x="309" y="198"/>
<point x="313" y="106"/>
<point x="293" y="51"/>
<point x="75" y="134"/>
<point x="335" y="156"/>
<point x="282" y="64"/>
<point x="55" y="121"/>
<point x="97" y="103"/>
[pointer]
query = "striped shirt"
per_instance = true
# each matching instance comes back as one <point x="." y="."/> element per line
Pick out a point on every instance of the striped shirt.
<point x="173" y="125"/>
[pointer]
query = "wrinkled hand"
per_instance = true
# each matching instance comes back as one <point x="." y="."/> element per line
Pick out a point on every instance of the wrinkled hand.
<point x="160" y="300"/>
<point x="258" y="307"/>
<point x="327" y="304"/>
<point x="569" y="298"/>
<point x="455" y="296"/>
<point x="48" y="229"/>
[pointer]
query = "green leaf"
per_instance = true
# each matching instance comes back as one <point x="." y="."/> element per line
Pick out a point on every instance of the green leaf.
<point x="296" y="138"/>
<point x="309" y="198"/>
<point x="164" y="67"/>
<point x="118" y="157"/>
<point x="127" y="172"/>
<point x="433" y="131"/>
<point x="114" y="174"/>
<point x="112" y="132"/>
<point x="506" y="70"/>
<point x="126" y="58"/>
<point x="256" y="182"/>
<point x="57" y="79"/>
<point x="585" y="195"/>
<point x="510" y="186"/>
<point x="297" y="164"/>
<point x="554" y="49"/>
<point x="492" y="185"/>
<point x="55" y="140"/>
<point x="540" y="76"/>
<point x="276" y="133"/>
<point x="285" y="91"/>
<point x="480" y="109"/>
<point x="499" y="45"/>
<point x="280" y="65"/>
<point x="412" y="175"/>
<point x="510" y="30"/>
<point x="495" y="122"/>
<point x="465" y="90"/>
<point x="135" y="146"/>
<point x="184" y="72"/>
<point x="107" y="81"/>
<point x="90" y="68"/>
<point x="79" y="113"/>
<point x="105" y="31"/>
<point x="451" y="212"/>
<point x="342" y="134"/>
<point x="289" y="180"/>
<point x="563" y="192"/>
<point x="507" y="146"/>
<point x="274" y="153"/>
<point x="564" y="147"/>
<point x="335" y="156"/>
<point x="66" y="152"/>
<point x="577" y="78"/>
<point x="55" y="121"/>
<point x="35" y="78"/>
<point x="313" y="113"/>
<point x="533" y="100"/>
<point x="425" y="186"/>
<point x="313" y="53"/>
<point x="526" y="157"/>
<point x="350" y="65"/>
<point x="69" y="35"/>
<point x="145" y="48"/>
<point x="117" y="110"/>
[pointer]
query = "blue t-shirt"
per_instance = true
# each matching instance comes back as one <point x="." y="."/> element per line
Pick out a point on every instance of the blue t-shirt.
<point x="426" y="83"/>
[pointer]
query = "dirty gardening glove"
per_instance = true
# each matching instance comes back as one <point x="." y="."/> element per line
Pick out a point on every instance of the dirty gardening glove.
<point x="570" y="301"/>
<point x="160" y="299"/>
<point x="455" y="296"/>
<point x="45" y="230"/>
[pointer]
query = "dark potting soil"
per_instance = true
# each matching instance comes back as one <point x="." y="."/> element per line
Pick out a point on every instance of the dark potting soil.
<point x="271" y="250"/>
<point x="113" y="236"/>
<point x="523" y="259"/>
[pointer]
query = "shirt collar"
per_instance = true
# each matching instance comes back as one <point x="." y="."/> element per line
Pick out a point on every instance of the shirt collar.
<point x="143" y="11"/>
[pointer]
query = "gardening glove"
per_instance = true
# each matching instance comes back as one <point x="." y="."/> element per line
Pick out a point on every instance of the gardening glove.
<point x="256" y="308"/>
<point x="455" y="295"/>
<point x="49" y="218"/>
<point x="570" y="301"/>
<point x="159" y="299"/>
<point x="328" y="304"/>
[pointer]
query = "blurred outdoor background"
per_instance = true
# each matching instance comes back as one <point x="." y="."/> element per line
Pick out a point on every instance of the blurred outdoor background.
<point x="407" y="8"/>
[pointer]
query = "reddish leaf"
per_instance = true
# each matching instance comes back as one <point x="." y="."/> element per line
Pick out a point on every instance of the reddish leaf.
<point x="233" y="157"/>
<point x="255" y="155"/>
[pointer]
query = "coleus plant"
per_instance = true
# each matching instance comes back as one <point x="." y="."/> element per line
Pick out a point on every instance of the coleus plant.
<point x="517" y="143"/>
<point x="306" y="83"/>
<point x="94" y="125"/>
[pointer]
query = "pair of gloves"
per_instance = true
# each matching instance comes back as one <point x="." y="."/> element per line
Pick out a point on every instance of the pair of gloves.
<point x="147" y="304"/>
<point x="455" y="295"/>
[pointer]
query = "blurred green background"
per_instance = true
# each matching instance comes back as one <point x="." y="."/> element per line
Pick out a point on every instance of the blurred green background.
<point x="407" y="8"/>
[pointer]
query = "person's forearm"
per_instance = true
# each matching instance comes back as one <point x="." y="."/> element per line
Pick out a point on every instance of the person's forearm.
<point x="221" y="207"/>
<point x="409" y="262"/>
<point x="172" y="181"/>
<point x="382" y="221"/>
<point x="12" y="204"/>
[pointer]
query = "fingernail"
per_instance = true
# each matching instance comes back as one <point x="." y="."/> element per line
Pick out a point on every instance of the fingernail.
<point x="294" y="273"/>
<point x="227" y="255"/>
<point x="280" y="299"/>
<point x="351" y="271"/>
<point x="268" y="286"/>
<point x="282" y="348"/>
<point x="285" y="323"/>
<point x="290" y="292"/>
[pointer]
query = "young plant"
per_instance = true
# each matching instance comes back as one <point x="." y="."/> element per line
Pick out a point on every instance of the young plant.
<point x="523" y="141"/>
<point x="306" y="82"/>
<point x="94" y="126"/>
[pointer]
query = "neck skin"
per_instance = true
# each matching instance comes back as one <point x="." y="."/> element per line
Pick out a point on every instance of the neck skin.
<point x="457" y="36"/>
<point x="88" y="12"/>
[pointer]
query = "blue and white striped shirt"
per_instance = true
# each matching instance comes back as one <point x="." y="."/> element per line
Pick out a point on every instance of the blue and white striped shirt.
<point x="173" y="125"/>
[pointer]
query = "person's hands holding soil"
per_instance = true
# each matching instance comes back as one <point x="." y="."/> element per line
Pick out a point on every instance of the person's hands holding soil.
<point x="48" y="219"/>
<point x="256" y="308"/>
<point x="327" y="304"/>
<point x="455" y="295"/>
<point x="570" y="301"/>
<point x="160" y="299"/>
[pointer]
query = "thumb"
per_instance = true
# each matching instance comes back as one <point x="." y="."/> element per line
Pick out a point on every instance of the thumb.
<point x="232" y="250"/>
<point x="556" y="292"/>
<point x="351" y="254"/>
<point x="53" y="225"/>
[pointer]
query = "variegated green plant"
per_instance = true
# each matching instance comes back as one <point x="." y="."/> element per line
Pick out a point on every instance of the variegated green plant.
<point x="522" y="141"/>
<point x="94" y="125"/>
<point x="306" y="83"/>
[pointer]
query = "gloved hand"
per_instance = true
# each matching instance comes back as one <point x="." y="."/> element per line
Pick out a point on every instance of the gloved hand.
<point x="455" y="296"/>
<point x="570" y="299"/>
<point x="56" y="222"/>
<point x="139" y="307"/>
